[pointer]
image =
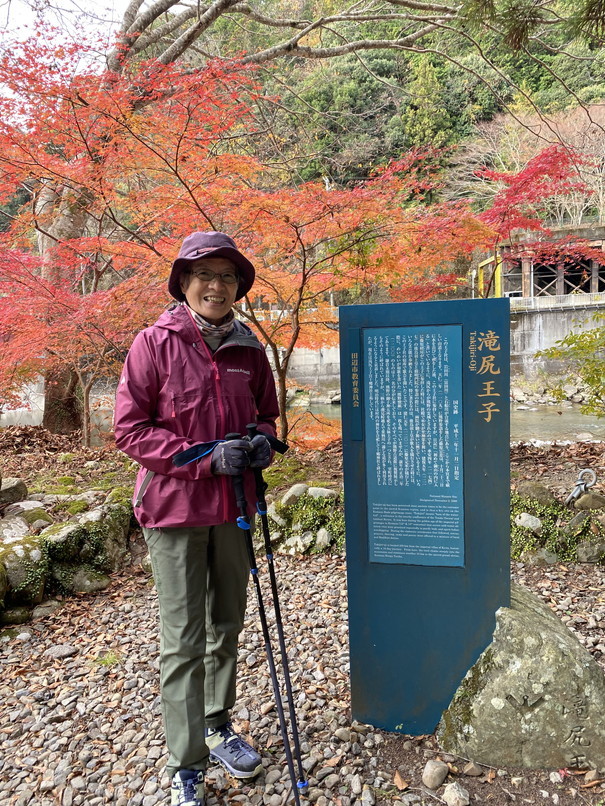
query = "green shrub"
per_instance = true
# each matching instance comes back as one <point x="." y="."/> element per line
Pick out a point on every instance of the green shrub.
<point x="554" y="535"/>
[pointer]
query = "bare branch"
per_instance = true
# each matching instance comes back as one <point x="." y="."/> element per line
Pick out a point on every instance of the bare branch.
<point x="292" y="48"/>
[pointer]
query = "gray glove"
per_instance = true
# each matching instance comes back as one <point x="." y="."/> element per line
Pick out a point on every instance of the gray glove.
<point x="231" y="458"/>
<point x="261" y="451"/>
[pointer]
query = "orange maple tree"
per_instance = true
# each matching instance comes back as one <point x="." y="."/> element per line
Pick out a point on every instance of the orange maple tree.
<point x="115" y="182"/>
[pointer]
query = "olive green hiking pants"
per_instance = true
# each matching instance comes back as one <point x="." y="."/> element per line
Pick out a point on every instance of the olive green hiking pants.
<point x="201" y="575"/>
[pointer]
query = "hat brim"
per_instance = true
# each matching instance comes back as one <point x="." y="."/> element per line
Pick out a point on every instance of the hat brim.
<point x="245" y="269"/>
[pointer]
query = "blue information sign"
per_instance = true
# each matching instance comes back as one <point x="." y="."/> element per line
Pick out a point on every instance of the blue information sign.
<point x="425" y="415"/>
<point x="413" y="427"/>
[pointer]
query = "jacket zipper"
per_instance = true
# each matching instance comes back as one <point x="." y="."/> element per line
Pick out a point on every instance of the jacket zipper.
<point x="222" y="419"/>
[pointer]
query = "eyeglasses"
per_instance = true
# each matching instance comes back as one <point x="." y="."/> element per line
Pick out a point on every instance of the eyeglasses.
<point x="206" y="275"/>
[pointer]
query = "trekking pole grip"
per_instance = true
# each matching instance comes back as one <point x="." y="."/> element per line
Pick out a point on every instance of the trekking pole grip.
<point x="238" y="485"/>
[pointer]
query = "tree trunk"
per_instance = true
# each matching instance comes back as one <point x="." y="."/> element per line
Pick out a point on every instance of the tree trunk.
<point x="62" y="410"/>
<point x="282" y="373"/>
<point x="86" y="418"/>
<point x="67" y="214"/>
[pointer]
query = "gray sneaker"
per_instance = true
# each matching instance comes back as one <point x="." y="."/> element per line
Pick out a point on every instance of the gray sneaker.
<point x="187" y="788"/>
<point x="230" y="750"/>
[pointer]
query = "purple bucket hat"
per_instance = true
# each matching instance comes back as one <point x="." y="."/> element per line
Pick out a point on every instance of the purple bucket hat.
<point x="210" y="244"/>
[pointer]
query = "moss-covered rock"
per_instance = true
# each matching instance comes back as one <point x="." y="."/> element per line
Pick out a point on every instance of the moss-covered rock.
<point x="15" y="615"/>
<point x="25" y="561"/>
<point x="538" y="492"/>
<point x="78" y="579"/>
<point x="36" y="514"/>
<point x="561" y="531"/>
<point x="63" y="541"/>
<point x="98" y="537"/>
<point x="12" y="490"/>
<point x="3" y="584"/>
<point x="106" y="542"/>
<point x="534" y="699"/>
<point x="120" y="495"/>
<point x="307" y="521"/>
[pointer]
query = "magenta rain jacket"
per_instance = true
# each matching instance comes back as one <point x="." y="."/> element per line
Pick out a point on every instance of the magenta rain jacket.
<point x="173" y="394"/>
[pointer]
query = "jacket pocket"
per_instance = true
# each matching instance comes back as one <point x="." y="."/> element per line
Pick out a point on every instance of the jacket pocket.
<point x="139" y="494"/>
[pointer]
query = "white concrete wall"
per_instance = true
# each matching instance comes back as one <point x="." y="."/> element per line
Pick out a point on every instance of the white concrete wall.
<point x="535" y="330"/>
<point x="319" y="369"/>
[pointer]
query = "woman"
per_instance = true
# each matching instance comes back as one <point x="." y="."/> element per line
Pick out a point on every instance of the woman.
<point x="194" y="376"/>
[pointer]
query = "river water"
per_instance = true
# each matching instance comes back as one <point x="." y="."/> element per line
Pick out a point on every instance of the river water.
<point x="540" y="422"/>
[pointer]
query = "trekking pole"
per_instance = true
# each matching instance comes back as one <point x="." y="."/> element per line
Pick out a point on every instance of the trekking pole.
<point x="243" y="522"/>
<point x="261" y="508"/>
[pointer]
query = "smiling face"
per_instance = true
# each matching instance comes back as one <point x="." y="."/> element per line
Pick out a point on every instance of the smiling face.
<point x="212" y="299"/>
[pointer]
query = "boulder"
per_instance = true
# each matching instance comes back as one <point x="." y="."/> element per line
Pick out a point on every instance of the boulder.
<point x="106" y="543"/>
<point x="538" y="492"/>
<point x="63" y="541"/>
<point x="293" y="494"/>
<point x="98" y="538"/>
<point x="534" y="699"/>
<point x="321" y="492"/>
<point x="590" y="552"/>
<point x="590" y="501"/>
<point x="78" y="579"/>
<point x="541" y="558"/>
<point x="12" y="490"/>
<point x="527" y="521"/>
<point x="15" y="615"/>
<point x="25" y="563"/>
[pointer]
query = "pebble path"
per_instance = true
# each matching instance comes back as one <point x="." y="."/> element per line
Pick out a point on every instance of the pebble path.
<point x="80" y="712"/>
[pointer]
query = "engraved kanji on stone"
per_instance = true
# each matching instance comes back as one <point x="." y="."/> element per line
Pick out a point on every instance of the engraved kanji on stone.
<point x="576" y="736"/>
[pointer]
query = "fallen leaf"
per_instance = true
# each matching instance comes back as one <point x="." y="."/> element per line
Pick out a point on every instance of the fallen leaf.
<point x="399" y="782"/>
<point x="332" y="762"/>
<point x="590" y="784"/>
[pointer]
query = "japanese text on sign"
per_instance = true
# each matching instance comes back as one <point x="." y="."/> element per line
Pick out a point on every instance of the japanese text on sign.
<point x="413" y="392"/>
<point x="486" y="364"/>
<point x="416" y="417"/>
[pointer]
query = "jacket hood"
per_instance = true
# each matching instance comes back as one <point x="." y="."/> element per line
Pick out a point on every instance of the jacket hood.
<point x="179" y="321"/>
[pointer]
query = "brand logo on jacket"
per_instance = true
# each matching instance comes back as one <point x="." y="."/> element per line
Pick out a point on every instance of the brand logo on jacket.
<point x="236" y="369"/>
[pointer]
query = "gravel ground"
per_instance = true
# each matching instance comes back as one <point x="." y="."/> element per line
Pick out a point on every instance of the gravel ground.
<point x="79" y="702"/>
<point x="80" y="715"/>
